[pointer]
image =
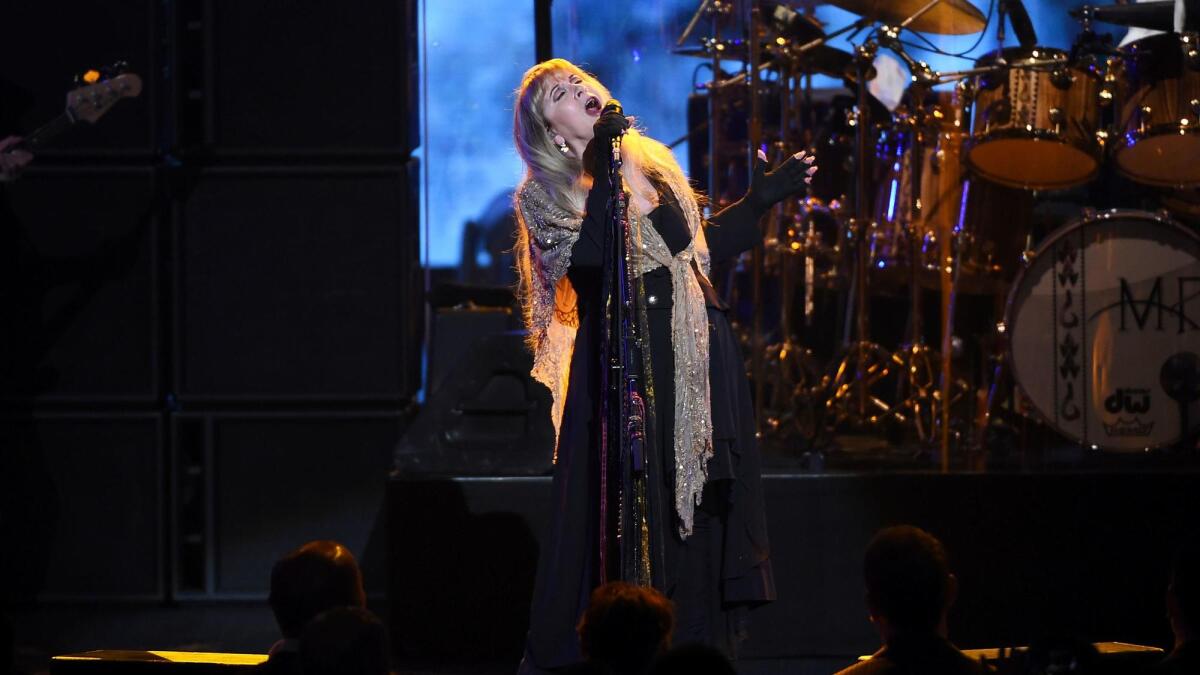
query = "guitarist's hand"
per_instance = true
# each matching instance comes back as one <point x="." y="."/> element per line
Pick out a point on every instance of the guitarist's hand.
<point x="12" y="161"/>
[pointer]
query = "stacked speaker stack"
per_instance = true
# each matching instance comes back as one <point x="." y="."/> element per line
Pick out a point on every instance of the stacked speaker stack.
<point x="210" y="301"/>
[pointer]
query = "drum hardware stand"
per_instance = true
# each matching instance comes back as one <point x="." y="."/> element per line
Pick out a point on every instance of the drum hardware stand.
<point x="863" y="363"/>
<point x="1180" y="378"/>
<point x="791" y="372"/>
<point x="916" y="390"/>
<point x="795" y="380"/>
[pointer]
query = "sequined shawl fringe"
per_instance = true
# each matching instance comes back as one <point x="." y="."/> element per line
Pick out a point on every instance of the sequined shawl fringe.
<point x="547" y="234"/>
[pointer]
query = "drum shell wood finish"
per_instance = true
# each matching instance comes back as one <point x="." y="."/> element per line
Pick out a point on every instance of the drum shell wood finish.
<point x="1158" y="100"/>
<point x="1035" y="127"/>
<point x="988" y="223"/>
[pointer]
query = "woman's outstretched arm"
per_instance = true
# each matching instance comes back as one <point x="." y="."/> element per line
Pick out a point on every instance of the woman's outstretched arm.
<point x="735" y="228"/>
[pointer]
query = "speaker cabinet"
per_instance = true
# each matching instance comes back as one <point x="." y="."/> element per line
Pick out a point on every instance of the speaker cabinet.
<point x="251" y="487"/>
<point x="78" y="286"/>
<point x="488" y="417"/>
<point x="80" y="506"/>
<point x="301" y="78"/>
<point x="297" y="285"/>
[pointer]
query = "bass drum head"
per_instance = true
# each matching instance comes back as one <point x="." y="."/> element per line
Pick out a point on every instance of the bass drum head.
<point x="1092" y="321"/>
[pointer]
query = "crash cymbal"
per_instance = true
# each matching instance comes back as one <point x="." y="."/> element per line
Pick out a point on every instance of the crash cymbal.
<point x="948" y="17"/>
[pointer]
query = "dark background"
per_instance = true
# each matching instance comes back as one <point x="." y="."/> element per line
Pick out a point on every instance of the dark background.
<point x="210" y="331"/>
<point x="210" y="301"/>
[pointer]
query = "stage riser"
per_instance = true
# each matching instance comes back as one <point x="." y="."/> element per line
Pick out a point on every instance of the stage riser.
<point x="1035" y="555"/>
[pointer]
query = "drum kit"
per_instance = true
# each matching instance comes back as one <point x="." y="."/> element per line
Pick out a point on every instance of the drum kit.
<point x="1097" y="324"/>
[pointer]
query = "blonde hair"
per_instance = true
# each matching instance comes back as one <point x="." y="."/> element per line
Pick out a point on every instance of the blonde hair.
<point x="566" y="183"/>
<point x="562" y="175"/>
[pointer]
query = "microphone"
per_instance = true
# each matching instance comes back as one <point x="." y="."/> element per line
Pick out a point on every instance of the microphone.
<point x="1021" y="23"/>
<point x="613" y="105"/>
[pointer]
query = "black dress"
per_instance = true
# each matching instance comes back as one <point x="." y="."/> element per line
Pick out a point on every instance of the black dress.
<point x="723" y="568"/>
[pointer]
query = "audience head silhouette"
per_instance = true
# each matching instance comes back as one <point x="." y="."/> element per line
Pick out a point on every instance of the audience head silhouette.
<point x="694" y="659"/>
<point x="344" y="641"/>
<point x="909" y="585"/>
<point x="625" y="627"/>
<point x="319" y="575"/>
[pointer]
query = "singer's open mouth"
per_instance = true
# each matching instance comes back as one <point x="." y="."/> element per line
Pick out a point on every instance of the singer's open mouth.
<point x="592" y="106"/>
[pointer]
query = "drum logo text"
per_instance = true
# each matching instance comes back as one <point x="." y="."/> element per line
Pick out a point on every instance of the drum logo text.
<point x="1128" y="400"/>
<point x="1133" y="401"/>
<point x="1141" y="309"/>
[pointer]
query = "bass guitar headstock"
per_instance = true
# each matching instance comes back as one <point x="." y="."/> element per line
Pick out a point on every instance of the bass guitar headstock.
<point x="100" y="90"/>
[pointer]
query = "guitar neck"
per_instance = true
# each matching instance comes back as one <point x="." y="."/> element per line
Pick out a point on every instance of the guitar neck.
<point x="46" y="132"/>
<point x="87" y="103"/>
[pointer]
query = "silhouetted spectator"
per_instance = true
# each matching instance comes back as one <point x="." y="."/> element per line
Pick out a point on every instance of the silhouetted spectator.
<point x="318" y="576"/>
<point x="625" y="628"/>
<point x="345" y="641"/>
<point x="1183" y="610"/>
<point x="909" y="592"/>
<point x="694" y="659"/>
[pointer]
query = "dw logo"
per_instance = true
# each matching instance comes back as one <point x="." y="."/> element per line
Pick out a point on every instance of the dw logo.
<point x="1134" y="401"/>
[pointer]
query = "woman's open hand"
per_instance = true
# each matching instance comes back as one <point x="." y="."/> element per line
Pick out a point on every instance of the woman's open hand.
<point x="768" y="188"/>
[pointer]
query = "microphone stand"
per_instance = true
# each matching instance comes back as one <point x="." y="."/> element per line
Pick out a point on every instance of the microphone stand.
<point x="625" y="409"/>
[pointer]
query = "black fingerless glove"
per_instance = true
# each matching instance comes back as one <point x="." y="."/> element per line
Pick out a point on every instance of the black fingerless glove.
<point x="609" y="125"/>
<point x="768" y="188"/>
<point x="587" y="251"/>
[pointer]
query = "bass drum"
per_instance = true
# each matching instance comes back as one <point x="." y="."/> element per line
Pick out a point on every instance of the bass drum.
<point x="1105" y="303"/>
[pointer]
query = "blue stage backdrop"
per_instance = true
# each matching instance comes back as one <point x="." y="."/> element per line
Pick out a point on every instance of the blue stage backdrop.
<point x="474" y="54"/>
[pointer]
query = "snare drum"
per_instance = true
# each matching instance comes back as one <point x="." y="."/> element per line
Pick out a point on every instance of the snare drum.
<point x="1159" y="103"/>
<point x="1034" y="126"/>
<point x="1107" y="300"/>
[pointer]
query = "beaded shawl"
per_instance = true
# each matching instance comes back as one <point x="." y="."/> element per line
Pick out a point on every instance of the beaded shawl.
<point x="546" y="236"/>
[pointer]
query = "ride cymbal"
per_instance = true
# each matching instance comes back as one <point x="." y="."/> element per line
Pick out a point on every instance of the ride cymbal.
<point x="948" y="17"/>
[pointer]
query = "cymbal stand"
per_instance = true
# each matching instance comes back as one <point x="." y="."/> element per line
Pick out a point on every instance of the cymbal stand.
<point x="687" y="31"/>
<point x="917" y="389"/>
<point x="718" y="10"/>
<point x="791" y="403"/>
<point x="863" y="363"/>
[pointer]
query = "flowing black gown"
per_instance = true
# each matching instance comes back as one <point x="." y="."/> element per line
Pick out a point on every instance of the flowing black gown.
<point x="723" y="568"/>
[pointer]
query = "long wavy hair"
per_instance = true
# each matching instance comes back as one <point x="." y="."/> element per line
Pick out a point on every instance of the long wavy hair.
<point x="563" y="176"/>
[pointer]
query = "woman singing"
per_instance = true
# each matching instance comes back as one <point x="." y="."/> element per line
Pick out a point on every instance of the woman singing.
<point x="709" y="552"/>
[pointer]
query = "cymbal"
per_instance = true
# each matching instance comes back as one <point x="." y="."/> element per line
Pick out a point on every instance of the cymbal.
<point x="820" y="60"/>
<point x="948" y="17"/>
